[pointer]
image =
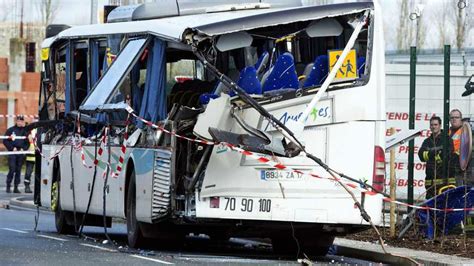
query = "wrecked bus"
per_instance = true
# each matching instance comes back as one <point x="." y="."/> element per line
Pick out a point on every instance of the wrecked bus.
<point x="222" y="119"/>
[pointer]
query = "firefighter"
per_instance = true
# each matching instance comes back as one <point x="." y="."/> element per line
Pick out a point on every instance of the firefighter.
<point x="431" y="152"/>
<point x="455" y="132"/>
<point x="13" y="144"/>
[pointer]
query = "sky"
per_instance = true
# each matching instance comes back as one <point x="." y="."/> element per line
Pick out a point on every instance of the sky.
<point x="77" y="12"/>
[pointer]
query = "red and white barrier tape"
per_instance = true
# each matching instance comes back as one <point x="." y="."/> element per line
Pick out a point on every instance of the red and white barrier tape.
<point x="161" y="128"/>
<point x="103" y="144"/>
<point x="262" y="159"/>
<point x="15" y="152"/>
<point x="123" y="149"/>
<point x="280" y="166"/>
<point x="14" y="116"/>
<point x="13" y="137"/>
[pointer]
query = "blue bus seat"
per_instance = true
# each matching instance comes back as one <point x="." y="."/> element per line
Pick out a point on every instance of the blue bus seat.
<point x="249" y="82"/>
<point x="283" y="74"/>
<point x="319" y="71"/>
<point x="360" y="66"/>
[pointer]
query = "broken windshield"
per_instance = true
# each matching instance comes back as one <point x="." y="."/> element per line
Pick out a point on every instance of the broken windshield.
<point x="106" y="89"/>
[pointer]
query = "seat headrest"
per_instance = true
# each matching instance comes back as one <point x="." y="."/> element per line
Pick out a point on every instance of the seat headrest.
<point x="283" y="74"/>
<point x="319" y="71"/>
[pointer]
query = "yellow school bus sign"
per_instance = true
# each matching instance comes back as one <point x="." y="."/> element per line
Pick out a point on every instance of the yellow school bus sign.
<point x="348" y="70"/>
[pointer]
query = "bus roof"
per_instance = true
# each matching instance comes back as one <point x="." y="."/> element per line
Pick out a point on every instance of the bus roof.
<point x="211" y="24"/>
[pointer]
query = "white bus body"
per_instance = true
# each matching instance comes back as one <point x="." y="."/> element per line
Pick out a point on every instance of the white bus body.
<point x="177" y="186"/>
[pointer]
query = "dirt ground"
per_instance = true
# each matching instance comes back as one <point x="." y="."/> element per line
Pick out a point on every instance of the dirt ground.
<point x="454" y="243"/>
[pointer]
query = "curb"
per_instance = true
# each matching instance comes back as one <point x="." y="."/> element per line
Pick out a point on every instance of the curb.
<point x="24" y="202"/>
<point x="345" y="247"/>
<point x="370" y="251"/>
<point x="371" y="255"/>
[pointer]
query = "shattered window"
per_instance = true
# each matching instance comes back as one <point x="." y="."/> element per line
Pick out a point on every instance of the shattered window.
<point x="105" y="90"/>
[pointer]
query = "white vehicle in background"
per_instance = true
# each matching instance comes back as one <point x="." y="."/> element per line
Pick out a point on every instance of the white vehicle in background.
<point x="255" y="68"/>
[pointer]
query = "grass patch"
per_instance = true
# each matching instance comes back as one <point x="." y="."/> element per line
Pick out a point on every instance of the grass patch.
<point x="3" y="164"/>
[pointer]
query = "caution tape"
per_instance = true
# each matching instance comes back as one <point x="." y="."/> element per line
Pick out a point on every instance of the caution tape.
<point x="262" y="159"/>
<point x="13" y="137"/>
<point x="161" y="128"/>
<point x="280" y="166"/>
<point x="123" y="149"/>
<point x="103" y="144"/>
<point x="14" y="116"/>
<point x="15" y="152"/>
<point x="56" y="154"/>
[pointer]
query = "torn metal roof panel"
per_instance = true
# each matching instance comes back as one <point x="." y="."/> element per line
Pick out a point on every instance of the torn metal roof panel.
<point x="211" y="24"/>
<point x="274" y="17"/>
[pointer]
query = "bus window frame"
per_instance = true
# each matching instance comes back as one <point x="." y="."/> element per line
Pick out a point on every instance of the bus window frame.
<point x="87" y="107"/>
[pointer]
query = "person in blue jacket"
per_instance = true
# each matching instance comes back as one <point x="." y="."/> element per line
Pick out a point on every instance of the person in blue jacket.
<point x="14" y="144"/>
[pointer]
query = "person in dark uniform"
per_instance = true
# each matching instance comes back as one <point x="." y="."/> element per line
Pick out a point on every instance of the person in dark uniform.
<point x="13" y="144"/>
<point x="431" y="152"/>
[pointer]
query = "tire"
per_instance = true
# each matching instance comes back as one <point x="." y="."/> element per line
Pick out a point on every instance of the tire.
<point x="60" y="216"/>
<point x="316" y="245"/>
<point x="134" y="233"/>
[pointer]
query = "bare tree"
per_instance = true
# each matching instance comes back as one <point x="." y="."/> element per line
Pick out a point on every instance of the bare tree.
<point x="441" y="16"/>
<point x="462" y="22"/>
<point x="5" y="10"/>
<point x="47" y="10"/>
<point x="421" y="32"/>
<point x="404" y="32"/>
<point x="421" y="29"/>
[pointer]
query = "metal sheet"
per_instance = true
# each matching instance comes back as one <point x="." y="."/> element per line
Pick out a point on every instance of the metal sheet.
<point x="283" y="16"/>
<point x="211" y="23"/>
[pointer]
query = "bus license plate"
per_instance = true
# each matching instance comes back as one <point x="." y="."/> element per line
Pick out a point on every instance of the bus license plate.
<point x="246" y="205"/>
<point x="280" y="175"/>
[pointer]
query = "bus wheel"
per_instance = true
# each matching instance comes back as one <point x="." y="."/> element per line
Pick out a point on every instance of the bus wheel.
<point x="134" y="233"/>
<point x="60" y="216"/>
<point x="316" y="245"/>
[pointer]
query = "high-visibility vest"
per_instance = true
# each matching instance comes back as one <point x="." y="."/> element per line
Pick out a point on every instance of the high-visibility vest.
<point x="31" y="157"/>
<point x="456" y="137"/>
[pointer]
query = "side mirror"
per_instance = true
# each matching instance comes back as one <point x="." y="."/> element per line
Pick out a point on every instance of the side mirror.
<point x="233" y="41"/>
<point x="55" y="29"/>
<point x="469" y="87"/>
<point x="327" y="27"/>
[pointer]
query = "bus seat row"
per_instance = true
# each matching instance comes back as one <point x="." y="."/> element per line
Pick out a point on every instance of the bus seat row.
<point x="281" y="76"/>
<point x="188" y="92"/>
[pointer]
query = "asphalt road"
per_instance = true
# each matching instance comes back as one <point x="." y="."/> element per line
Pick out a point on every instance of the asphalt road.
<point x="21" y="245"/>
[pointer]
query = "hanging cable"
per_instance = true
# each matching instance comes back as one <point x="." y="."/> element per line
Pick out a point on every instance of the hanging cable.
<point x="104" y="190"/>
<point x="92" y="187"/>
<point x="72" y="172"/>
<point x="36" y="218"/>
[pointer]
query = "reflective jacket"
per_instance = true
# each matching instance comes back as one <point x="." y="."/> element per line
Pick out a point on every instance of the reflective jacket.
<point x="456" y="137"/>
